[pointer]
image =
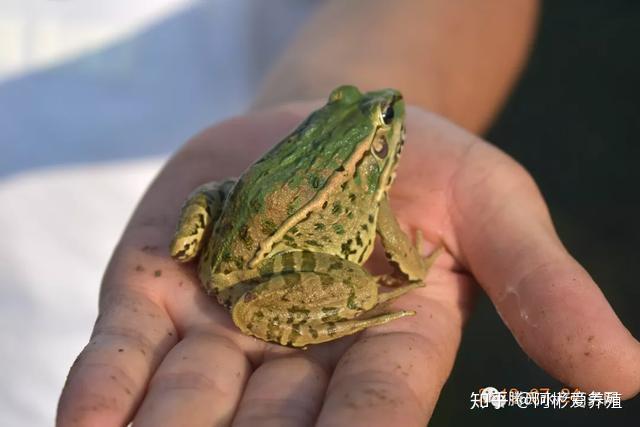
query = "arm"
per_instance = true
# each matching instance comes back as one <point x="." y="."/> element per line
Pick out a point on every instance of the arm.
<point x="456" y="58"/>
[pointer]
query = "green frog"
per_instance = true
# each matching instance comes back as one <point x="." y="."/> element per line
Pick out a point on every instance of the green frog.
<point x="282" y="246"/>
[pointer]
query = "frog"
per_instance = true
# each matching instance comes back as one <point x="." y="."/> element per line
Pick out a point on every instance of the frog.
<point x="283" y="245"/>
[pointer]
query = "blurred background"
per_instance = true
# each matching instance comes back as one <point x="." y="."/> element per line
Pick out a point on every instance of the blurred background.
<point x="95" y="95"/>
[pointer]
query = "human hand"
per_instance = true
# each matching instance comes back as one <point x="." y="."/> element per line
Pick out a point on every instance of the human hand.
<point x="163" y="353"/>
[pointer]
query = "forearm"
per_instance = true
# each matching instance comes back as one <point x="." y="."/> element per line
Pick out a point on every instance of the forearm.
<point x="456" y="58"/>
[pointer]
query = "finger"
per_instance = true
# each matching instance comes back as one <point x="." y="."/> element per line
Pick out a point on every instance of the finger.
<point x="109" y="377"/>
<point x="288" y="387"/>
<point x="284" y="391"/>
<point x="394" y="374"/>
<point x="550" y="303"/>
<point x="200" y="380"/>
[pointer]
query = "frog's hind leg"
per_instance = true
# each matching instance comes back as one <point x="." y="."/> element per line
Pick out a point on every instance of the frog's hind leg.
<point x="329" y="300"/>
<point x="297" y="309"/>
<point x="348" y="327"/>
<point x="199" y="212"/>
<point x="331" y="331"/>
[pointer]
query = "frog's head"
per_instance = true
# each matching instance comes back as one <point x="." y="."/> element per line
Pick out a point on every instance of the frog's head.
<point x="382" y="112"/>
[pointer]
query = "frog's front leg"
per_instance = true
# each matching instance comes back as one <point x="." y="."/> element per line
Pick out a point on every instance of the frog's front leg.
<point x="311" y="298"/>
<point x="399" y="249"/>
<point x="199" y="212"/>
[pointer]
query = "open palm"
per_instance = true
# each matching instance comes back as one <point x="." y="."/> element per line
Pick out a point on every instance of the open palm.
<point x="163" y="353"/>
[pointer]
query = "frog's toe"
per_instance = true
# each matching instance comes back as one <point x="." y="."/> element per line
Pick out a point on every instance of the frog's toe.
<point x="333" y="330"/>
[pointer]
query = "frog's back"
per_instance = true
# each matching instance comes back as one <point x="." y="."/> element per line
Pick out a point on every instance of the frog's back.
<point x="280" y="185"/>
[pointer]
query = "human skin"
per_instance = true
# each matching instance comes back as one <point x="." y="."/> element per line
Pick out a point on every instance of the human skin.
<point x="163" y="353"/>
<point x="457" y="58"/>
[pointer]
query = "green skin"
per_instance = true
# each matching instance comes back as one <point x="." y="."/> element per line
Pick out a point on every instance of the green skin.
<point x="283" y="246"/>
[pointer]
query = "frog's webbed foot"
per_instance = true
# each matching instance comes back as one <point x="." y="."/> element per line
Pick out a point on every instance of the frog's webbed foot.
<point x="199" y="212"/>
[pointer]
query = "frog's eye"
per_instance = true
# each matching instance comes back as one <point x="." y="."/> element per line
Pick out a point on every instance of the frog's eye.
<point x="380" y="148"/>
<point x="387" y="114"/>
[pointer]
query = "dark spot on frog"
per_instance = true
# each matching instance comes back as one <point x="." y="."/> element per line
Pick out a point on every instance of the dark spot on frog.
<point x="324" y="205"/>
<point x="157" y="273"/>
<point x="591" y="337"/>
<point x="346" y="250"/>
<point x="180" y="284"/>
<point x="200" y="224"/>
<point x="337" y="208"/>
<point x="315" y="181"/>
<point x="170" y="333"/>
<point x="361" y="257"/>
<point x="120" y="350"/>
<point x="113" y="377"/>
<point x="337" y="265"/>
<point x="587" y="353"/>
<point x="126" y="390"/>
<point x="268" y="227"/>
<point x="139" y="268"/>
<point x="144" y="353"/>
<point x="313" y="332"/>
<point x="371" y="218"/>
<point x="249" y="296"/>
<point x="331" y="329"/>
